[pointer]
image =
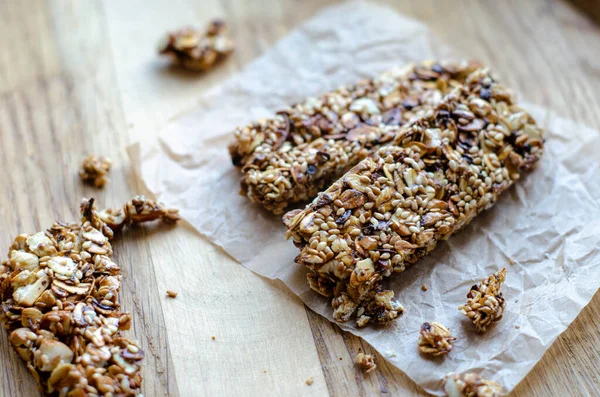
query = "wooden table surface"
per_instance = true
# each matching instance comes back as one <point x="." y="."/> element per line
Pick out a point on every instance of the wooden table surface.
<point x="79" y="77"/>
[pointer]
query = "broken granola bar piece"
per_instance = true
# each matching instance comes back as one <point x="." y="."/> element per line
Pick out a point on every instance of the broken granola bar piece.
<point x="470" y="385"/>
<point x="435" y="339"/>
<point x="366" y="362"/>
<point x="291" y="157"/>
<point x="392" y="208"/>
<point x="139" y="209"/>
<point x="94" y="170"/>
<point x="485" y="302"/>
<point x="197" y="50"/>
<point x="59" y="292"/>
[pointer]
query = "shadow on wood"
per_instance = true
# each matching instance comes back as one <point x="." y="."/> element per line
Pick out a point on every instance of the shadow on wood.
<point x="589" y="8"/>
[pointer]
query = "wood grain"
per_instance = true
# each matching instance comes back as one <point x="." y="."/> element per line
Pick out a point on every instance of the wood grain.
<point x="79" y="77"/>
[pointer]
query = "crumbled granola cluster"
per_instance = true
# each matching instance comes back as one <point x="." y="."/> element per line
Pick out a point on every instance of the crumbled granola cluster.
<point x="391" y="209"/>
<point x="366" y="362"/>
<point x="485" y="303"/>
<point x="199" y="50"/>
<point x="59" y="292"/>
<point x="470" y="385"/>
<point x="95" y="169"/>
<point x="435" y="339"/>
<point x="293" y="156"/>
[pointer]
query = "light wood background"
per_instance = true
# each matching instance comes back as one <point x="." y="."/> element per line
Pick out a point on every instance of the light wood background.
<point x="82" y="76"/>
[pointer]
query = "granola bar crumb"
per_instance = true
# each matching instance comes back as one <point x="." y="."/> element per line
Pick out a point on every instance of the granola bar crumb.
<point x="424" y="287"/>
<point x="485" y="303"/>
<point x="366" y="362"/>
<point x="94" y="170"/>
<point x="470" y="385"/>
<point x="310" y="381"/>
<point x="197" y="50"/>
<point x="171" y="294"/>
<point x="435" y="339"/>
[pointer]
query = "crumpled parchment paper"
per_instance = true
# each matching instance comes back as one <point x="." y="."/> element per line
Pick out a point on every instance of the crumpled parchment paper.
<point x="548" y="225"/>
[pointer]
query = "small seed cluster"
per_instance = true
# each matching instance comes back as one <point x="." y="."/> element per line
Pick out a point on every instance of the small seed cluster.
<point x="59" y="292"/>
<point x="470" y="385"/>
<point x="435" y="339"/>
<point x="485" y="303"/>
<point x="293" y="156"/>
<point x="391" y="209"/>
<point x="197" y="50"/>
<point x="94" y="170"/>
<point x="366" y="362"/>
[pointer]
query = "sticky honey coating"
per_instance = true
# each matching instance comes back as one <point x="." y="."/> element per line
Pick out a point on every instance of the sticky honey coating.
<point x="291" y="157"/>
<point x="391" y="209"/>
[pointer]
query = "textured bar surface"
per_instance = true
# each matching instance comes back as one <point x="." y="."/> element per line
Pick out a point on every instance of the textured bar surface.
<point x="59" y="292"/>
<point x="293" y="156"/>
<point x="392" y="208"/>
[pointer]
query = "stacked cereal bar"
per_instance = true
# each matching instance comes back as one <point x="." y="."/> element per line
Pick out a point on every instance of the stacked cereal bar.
<point x="291" y="157"/>
<point x="59" y="293"/>
<point x="392" y="208"/>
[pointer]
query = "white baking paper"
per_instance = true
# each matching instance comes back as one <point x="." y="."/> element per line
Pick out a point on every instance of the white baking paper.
<point x="548" y="224"/>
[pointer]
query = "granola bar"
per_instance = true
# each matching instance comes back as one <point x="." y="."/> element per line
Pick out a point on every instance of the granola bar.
<point x="485" y="302"/>
<point x="59" y="292"/>
<point x="294" y="155"/>
<point x="470" y="385"/>
<point x="197" y="50"/>
<point x="392" y="208"/>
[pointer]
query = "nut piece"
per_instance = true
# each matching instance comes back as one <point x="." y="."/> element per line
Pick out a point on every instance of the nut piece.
<point x="485" y="303"/>
<point x="95" y="170"/>
<point x="23" y="260"/>
<point x="470" y="385"/>
<point x="435" y="339"/>
<point x="366" y="362"/>
<point x="51" y="353"/>
<point x="196" y="50"/>
<point x="41" y="245"/>
<point x="27" y="294"/>
<point x="59" y="292"/>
